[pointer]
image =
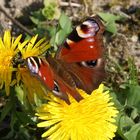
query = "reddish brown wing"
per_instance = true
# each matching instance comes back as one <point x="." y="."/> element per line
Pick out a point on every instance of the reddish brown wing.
<point x="82" y="54"/>
<point x="87" y="78"/>
<point x="64" y="80"/>
<point x="84" y="43"/>
<point x="41" y="68"/>
<point x="51" y="75"/>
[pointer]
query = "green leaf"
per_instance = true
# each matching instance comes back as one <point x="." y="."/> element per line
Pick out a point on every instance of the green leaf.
<point x="20" y="94"/>
<point x="134" y="113"/>
<point x="60" y="36"/>
<point x="107" y="17"/>
<point x="110" y="21"/>
<point x="133" y="96"/>
<point x="124" y="123"/>
<point x="65" y="23"/>
<point x="111" y="27"/>
<point x="51" y="9"/>
<point x="52" y="31"/>
<point x="34" y="20"/>
<point x="52" y="41"/>
<point x="37" y="100"/>
<point x="134" y="133"/>
<point x="49" y="12"/>
<point x="115" y="100"/>
<point x="13" y="120"/>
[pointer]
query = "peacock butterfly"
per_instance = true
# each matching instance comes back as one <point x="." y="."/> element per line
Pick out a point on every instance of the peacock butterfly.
<point x="78" y="63"/>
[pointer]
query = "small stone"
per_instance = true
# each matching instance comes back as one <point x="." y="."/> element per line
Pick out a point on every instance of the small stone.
<point x="134" y="38"/>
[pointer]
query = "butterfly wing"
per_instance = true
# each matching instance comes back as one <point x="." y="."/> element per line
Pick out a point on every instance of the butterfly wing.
<point x="63" y="79"/>
<point x="51" y="76"/>
<point x="41" y="69"/>
<point x="87" y="78"/>
<point x="82" y="54"/>
<point x="84" y="43"/>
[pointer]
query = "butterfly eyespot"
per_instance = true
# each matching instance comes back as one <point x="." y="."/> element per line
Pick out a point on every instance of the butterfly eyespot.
<point x="57" y="92"/>
<point x="84" y="28"/>
<point x="95" y="26"/>
<point x="88" y="28"/>
<point x="90" y="64"/>
<point x="56" y="89"/>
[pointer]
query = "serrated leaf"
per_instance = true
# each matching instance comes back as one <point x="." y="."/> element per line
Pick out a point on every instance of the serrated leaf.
<point x="134" y="132"/>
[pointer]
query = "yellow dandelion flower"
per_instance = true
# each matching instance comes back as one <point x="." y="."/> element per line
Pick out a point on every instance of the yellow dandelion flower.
<point x="32" y="84"/>
<point x="31" y="48"/>
<point x="8" y="49"/>
<point x="90" y="119"/>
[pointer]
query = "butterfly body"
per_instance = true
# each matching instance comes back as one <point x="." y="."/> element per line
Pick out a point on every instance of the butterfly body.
<point x="77" y="64"/>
